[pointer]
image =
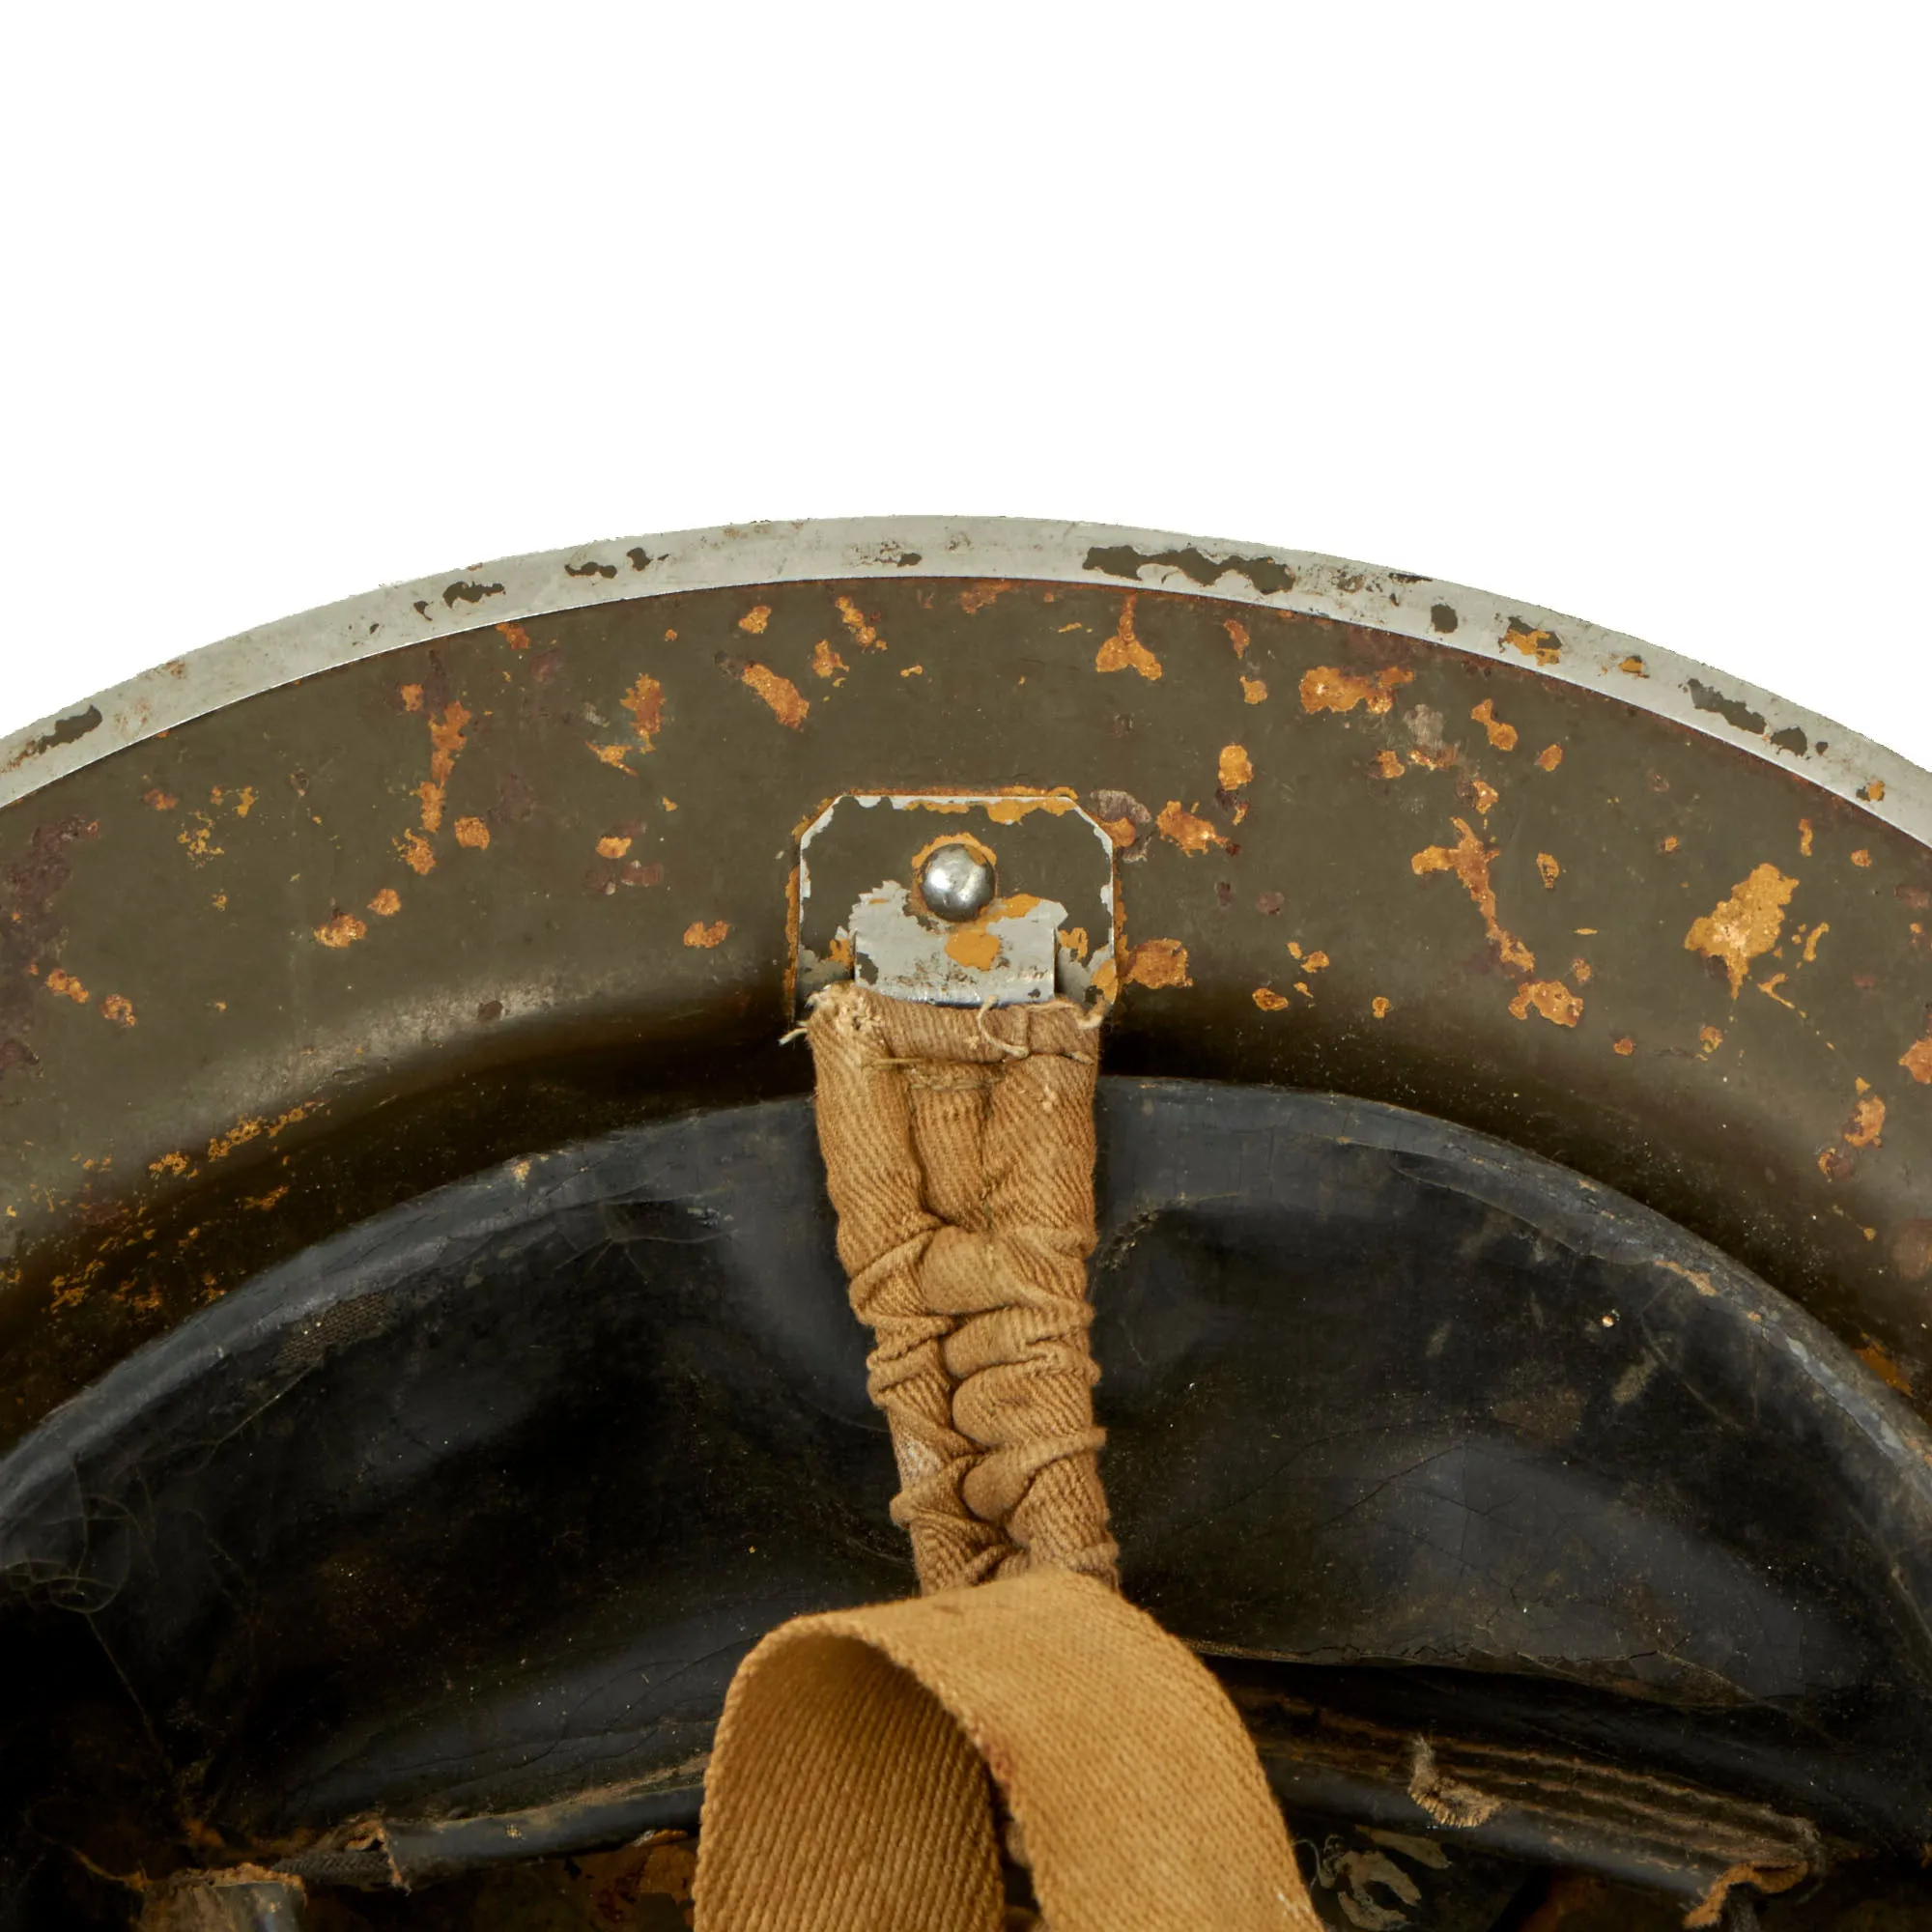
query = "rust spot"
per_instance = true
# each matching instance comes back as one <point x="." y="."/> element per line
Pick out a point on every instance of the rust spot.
<point x="1746" y="925"/>
<point x="1010" y="810"/>
<point x="342" y="928"/>
<point x="1816" y="934"/>
<point x="1625" y="1046"/>
<point x="60" y="980"/>
<point x="1710" y="1038"/>
<point x="612" y="847"/>
<point x="1884" y="1367"/>
<point x="176" y="1164"/>
<point x="644" y="701"/>
<point x="1270" y="1000"/>
<point x="1550" y="757"/>
<point x="825" y="661"/>
<point x="1389" y="765"/>
<point x="1501" y="736"/>
<point x="1468" y="858"/>
<point x="1834" y="1164"/>
<point x="517" y="637"/>
<point x="1552" y="872"/>
<point x="698" y="934"/>
<point x="610" y="754"/>
<point x="1804" y="838"/>
<point x="1667" y="844"/>
<point x="198" y="839"/>
<point x="1120" y="830"/>
<point x="1917" y="1059"/>
<point x="1379" y="1007"/>
<point x="789" y="706"/>
<point x="1485" y="795"/>
<point x="1123" y="651"/>
<point x="1551" y="997"/>
<point x="386" y="903"/>
<point x="1158" y="963"/>
<point x="412" y="697"/>
<point x="1873" y="792"/>
<point x="1862" y="857"/>
<point x="1912" y="1249"/>
<point x="1075" y="940"/>
<point x="1542" y="645"/>
<point x="1254" y="690"/>
<point x="977" y="596"/>
<point x="118" y="1010"/>
<point x="1315" y="962"/>
<point x="1236" y="769"/>
<point x="1237" y="634"/>
<point x="756" y="619"/>
<point x="473" y="832"/>
<point x="1633" y="666"/>
<point x="863" y="634"/>
<point x="244" y="1131"/>
<point x="159" y="799"/>
<point x="1580" y="971"/>
<point x="974" y="946"/>
<point x="417" y="853"/>
<point x="1328" y="689"/>
<point x="1301" y="987"/>
<point x="1867" y="1121"/>
<point x="1192" y="834"/>
<point x="262" y="1202"/>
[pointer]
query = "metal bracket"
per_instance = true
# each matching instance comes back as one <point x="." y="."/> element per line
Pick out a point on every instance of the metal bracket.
<point x="996" y="898"/>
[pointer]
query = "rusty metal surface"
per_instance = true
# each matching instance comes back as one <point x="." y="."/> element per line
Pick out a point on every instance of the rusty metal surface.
<point x="349" y="938"/>
<point x="1430" y="610"/>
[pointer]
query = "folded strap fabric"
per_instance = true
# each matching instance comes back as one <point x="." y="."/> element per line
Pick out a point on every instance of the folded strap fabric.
<point x="960" y="1155"/>
<point x="851" y="1784"/>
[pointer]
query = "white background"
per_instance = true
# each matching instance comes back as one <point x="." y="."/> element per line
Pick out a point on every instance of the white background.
<point x="1620" y="311"/>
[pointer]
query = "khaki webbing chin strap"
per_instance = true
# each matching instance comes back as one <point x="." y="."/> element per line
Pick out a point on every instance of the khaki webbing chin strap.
<point x="849" y="1783"/>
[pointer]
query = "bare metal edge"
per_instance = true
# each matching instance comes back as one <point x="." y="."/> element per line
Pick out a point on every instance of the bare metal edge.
<point x="515" y="588"/>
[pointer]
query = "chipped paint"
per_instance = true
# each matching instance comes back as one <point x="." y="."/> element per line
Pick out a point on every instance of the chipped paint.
<point x="63" y="982"/>
<point x="644" y="701"/>
<point x="1551" y="997"/>
<point x="1550" y="757"/>
<point x="1631" y="667"/>
<point x="789" y="706"/>
<point x="863" y="635"/>
<point x="1009" y="810"/>
<point x="340" y="929"/>
<point x="1470" y="860"/>
<point x="1254" y="690"/>
<point x="1389" y="765"/>
<point x="1123" y="650"/>
<point x="826" y="661"/>
<point x="386" y="903"/>
<point x="703" y="936"/>
<point x="1746" y="925"/>
<point x="1074" y="939"/>
<point x="1502" y="737"/>
<point x="1156" y="963"/>
<point x="1193" y="835"/>
<point x="1237" y="634"/>
<point x="1236" y="768"/>
<point x="975" y="947"/>
<point x="119" y="1009"/>
<point x="1542" y="645"/>
<point x="1324" y="688"/>
<point x="1917" y="1059"/>
<point x="1270" y="1000"/>
<point x="756" y="619"/>
<point x="1552" y="872"/>
<point x="472" y="834"/>
<point x="1872" y="793"/>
